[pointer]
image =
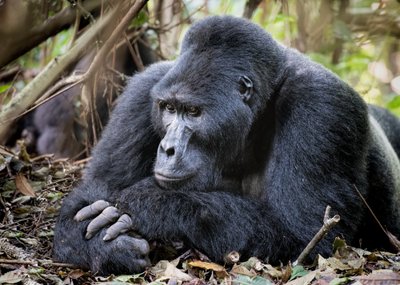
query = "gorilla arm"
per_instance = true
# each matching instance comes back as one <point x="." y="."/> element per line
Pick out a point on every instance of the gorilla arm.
<point x="216" y="223"/>
<point x="109" y="172"/>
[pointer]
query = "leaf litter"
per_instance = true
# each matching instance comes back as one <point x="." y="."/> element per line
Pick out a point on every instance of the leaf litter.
<point x="31" y="193"/>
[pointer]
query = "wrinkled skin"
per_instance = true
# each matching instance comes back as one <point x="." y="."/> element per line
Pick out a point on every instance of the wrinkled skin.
<point x="225" y="149"/>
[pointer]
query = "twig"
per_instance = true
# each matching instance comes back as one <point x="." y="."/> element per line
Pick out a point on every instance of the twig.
<point x="392" y="238"/>
<point x="326" y="227"/>
<point x="48" y="75"/>
<point x="38" y="262"/>
<point x="251" y="6"/>
<point x="102" y="54"/>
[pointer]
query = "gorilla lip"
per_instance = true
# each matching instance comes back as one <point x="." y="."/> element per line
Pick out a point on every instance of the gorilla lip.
<point x="165" y="178"/>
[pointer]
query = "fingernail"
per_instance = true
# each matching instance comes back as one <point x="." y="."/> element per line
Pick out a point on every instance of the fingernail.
<point x="106" y="237"/>
<point x="88" y="236"/>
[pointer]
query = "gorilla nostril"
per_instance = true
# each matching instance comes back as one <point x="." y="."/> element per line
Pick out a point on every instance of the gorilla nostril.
<point x="170" y="151"/>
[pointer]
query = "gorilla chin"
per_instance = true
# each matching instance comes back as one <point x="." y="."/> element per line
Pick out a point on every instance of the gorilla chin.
<point x="171" y="180"/>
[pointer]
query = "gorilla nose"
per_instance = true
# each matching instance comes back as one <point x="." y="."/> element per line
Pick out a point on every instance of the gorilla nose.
<point x="170" y="151"/>
<point x="167" y="146"/>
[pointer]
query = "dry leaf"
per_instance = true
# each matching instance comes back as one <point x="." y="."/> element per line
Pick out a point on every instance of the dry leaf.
<point x="305" y="280"/>
<point x="206" y="265"/>
<point x="23" y="185"/>
<point x="380" y="277"/>
<point x="76" y="273"/>
<point x="242" y="270"/>
<point x="165" y="270"/>
<point x="209" y="266"/>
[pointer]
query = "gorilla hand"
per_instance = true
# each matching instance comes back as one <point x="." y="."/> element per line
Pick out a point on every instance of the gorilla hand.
<point x="106" y="215"/>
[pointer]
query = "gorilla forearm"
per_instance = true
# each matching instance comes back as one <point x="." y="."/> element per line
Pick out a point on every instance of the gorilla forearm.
<point x="214" y="222"/>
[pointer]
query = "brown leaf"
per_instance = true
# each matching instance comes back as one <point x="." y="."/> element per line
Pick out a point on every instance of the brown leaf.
<point x="165" y="270"/>
<point x="380" y="277"/>
<point x="242" y="270"/>
<point x="23" y="185"/>
<point x="76" y="273"/>
<point x="206" y="265"/>
<point x="209" y="266"/>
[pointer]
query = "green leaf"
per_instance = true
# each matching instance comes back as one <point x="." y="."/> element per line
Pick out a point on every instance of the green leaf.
<point x="341" y="30"/>
<point x="140" y="19"/>
<point x="4" y="88"/>
<point x="338" y="243"/>
<point x="395" y="103"/>
<point x="246" y="280"/>
<point x="298" y="271"/>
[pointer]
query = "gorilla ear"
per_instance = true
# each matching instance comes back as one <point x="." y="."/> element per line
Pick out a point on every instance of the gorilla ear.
<point x="245" y="88"/>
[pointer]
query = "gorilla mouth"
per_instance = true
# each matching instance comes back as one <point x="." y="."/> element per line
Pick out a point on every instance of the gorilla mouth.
<point x="171" y="178"/>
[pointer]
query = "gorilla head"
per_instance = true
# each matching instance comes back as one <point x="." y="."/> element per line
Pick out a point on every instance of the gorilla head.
<point x="205" y="93"/>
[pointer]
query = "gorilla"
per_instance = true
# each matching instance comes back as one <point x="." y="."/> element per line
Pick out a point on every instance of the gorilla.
<point x="237" y="145"/>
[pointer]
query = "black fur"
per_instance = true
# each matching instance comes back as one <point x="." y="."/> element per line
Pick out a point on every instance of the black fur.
<point x="269" y="155"/>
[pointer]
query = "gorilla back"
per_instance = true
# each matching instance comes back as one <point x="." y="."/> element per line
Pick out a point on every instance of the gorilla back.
<point x="225" y="149"/>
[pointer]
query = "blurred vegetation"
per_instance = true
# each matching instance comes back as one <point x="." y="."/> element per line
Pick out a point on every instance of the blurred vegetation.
<point x="356" y="39"/>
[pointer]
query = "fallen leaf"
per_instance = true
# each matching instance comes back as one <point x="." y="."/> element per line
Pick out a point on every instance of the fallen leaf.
<point x="298" y="271"/>
<point x="12" y="277"/>
<point x="305" y="280"/>
<point x="380" y="277"/>
<point x="207" y="265"/>
<point x="272" y="271"/>
<point x="218" y="269"/>
<point x="76" y="273"/>
<point x="164" y="270"/>
<point x="246" y="280"/>
<point x="242" y="270"/>
<point x="23" y="185"/>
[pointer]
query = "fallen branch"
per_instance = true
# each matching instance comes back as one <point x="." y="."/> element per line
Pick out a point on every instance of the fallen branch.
<point x="392" y="238"/>
<point x="21" y="101"/>
<point x="329" y="223"/>
<point x="22" y="43"/>
<point x="37" y="263"/>
<point x="98" y="61"/>
<point x="250" y="7"/>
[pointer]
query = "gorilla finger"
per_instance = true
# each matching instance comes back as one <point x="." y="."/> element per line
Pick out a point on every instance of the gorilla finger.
<point x="108" y="216"/>
<point x="143" y="263"/>
<point x="140" y="246"/>
<point x="123" y="224"/>
<point x="91" y="210"/>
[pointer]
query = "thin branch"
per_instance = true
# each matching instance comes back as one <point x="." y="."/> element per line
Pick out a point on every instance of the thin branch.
<point x="37" y="262"/>
<point x="21" y="101"/>
<point x="329" y="223"/>
<point x="392" y="238"/>
<point x="21" y="44"/>
<point x="251" y="6"/>
<point x="102" y="54"/>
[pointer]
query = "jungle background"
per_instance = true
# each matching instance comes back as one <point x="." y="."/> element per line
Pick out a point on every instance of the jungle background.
<point x="63" y="64"/>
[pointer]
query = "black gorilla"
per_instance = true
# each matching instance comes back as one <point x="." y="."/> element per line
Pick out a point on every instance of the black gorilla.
<point x="239" y="144"/>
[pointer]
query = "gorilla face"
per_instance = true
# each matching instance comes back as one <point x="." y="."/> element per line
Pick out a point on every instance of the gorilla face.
<point x="191" y="112"/>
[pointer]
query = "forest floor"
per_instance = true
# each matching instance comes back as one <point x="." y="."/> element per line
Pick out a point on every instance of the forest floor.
<point x="31" y="192"/>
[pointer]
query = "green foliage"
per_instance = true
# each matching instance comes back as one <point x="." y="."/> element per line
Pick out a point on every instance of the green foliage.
<point x="298" y="271"/>
<point x="140" y="20"/>
<point x="5" y="87"/>
<point x="246" y="280"/>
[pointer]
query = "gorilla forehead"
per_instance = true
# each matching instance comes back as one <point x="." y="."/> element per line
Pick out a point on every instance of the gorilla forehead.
<point x="199" y="77"/>
<point x="226" y="33"/>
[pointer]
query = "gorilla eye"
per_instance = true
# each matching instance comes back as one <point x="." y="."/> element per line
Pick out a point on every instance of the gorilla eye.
<point x="170" y="108"/>
<point x="245" y="87"/>
<point x="193" y="111"/>
<point x="166" y="106"/>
